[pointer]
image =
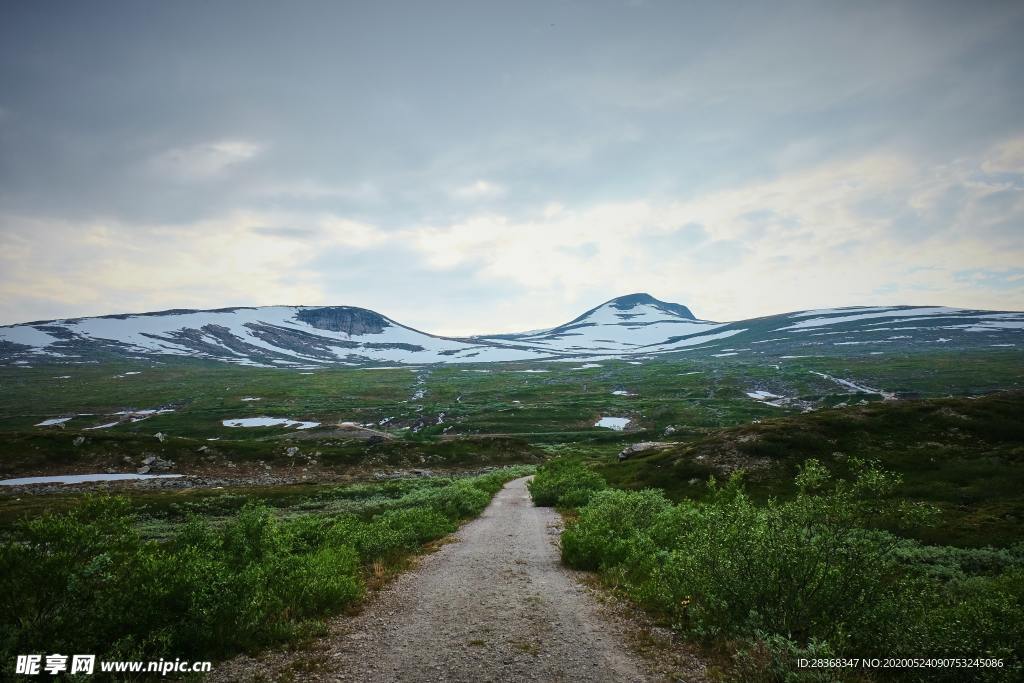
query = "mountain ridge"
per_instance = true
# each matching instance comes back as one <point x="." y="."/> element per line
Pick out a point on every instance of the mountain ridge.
<point x="630" y="325"/>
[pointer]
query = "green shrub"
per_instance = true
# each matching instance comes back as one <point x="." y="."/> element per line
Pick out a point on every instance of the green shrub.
<point x="811" y="574"/>
<point x="615" y="522"/>
<point x="85" y="581"/>
<point x="399" y="531"/>
<point x="565" y="483"/>
<point x="461" y="499"/>
<point x="769" y="657"/>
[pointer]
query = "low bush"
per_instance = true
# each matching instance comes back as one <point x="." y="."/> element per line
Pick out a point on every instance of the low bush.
<point x="565" y="483"/>
<point x="86" y="581"/>
<point x="813" y="574"/>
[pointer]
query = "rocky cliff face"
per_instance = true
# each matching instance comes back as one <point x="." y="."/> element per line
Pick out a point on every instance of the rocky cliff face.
<point x="347" y="319"/>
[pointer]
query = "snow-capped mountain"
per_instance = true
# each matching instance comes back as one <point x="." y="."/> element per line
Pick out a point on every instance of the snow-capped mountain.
<point x="628" y="326"/>
<point x="269" y="335"/>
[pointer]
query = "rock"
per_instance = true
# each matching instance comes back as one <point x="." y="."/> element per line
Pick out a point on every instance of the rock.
<point x="127" y="460"/>
<point x="202" y="449"/>
<point x="152" y="462"/>
<point x="670" y="430"/>
<point x="291" y="451"/>
<point x="79" y="440"/>
<point x="160" y="436"/>
<point x="643" y="446"/>
<point x="143" y="470"/>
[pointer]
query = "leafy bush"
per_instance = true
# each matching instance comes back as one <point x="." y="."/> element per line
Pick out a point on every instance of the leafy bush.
<point x="771" y="657"/>
<point x="616" y="523"/>
<point x="85" y="581"/>
<point x="811" y="574"/>
<point x="565" y="483"/>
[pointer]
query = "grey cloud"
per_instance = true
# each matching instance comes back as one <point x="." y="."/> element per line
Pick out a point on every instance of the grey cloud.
<point x="374" y="112"/>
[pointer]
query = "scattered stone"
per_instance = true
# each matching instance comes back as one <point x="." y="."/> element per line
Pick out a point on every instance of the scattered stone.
<point x="79" y="440"/>
<point x="291" y="451"/>
<point x="160" y="436"/>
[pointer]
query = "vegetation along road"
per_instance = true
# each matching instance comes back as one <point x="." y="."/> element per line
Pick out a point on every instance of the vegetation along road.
<point x="495" y="604"/>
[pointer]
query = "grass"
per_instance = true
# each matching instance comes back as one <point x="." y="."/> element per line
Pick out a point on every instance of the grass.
<point x="558" y="405"/>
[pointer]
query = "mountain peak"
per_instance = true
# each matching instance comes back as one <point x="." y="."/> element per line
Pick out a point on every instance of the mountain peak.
<point x="628" y="301"/>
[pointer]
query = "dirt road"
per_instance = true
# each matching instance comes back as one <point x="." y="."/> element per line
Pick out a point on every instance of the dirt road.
<point x="495" y="605"/>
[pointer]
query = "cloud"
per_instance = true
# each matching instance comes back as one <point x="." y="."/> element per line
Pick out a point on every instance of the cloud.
<point x="206" y="160"/>
<point x="1007" y="157"/>
<point x="103" y="266"/>
<point x="740" y="159"/>
<point x="878" y="228"/>
<point x="829" y="235"/>
<point x="480" y="189"/>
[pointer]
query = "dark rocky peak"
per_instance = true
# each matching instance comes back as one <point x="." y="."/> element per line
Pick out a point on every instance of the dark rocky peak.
<point x="624" y="303"/>
<point x="347" y="319"/>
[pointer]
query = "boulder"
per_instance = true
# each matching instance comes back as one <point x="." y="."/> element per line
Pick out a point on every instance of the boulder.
<point x="643" y="446"/>
<point x="152" y="462"/>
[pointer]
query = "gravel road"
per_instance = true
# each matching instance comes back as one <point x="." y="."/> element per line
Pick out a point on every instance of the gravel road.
<point x="495" y="605"/>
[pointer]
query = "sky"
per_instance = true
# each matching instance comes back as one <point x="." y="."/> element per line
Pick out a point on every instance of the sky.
<point x="482" y="167"/>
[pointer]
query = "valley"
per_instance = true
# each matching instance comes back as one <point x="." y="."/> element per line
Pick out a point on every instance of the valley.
<point x="305" y="449"/>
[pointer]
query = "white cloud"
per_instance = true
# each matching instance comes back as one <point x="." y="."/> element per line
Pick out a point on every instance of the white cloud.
<point x="104" y="266"/>
<point x="480" y="189"/>
<point x="802" y="240"/>
<point x="878" y="229"/>
<point x="206" y="160"/>
<point x="1007" y="157"/>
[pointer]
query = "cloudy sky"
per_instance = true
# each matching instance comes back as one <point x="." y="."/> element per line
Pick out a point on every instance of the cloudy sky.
<point x="498" y="166"/>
